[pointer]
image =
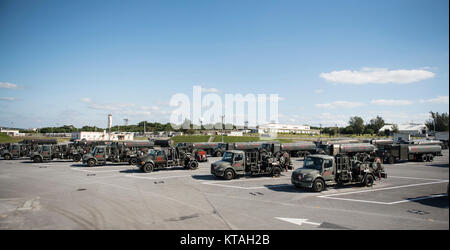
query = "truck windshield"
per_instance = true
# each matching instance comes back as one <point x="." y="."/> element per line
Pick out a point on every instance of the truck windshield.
<point x="228" y="156"/>
<point x="313" y="163"/>
<point x="152" y="152"/>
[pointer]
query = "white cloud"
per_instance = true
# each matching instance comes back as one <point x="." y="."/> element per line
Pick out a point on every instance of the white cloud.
<point x="340" y="104"/>
<point x="86" y="100"/>
<point x="7" y="85"/>
<point x="318" y="91"/>
<point x="7" y="99"/>
<point x="211" y="90"/>
<point x="391" y="102"/>
<point x="377" y="75"/>
<point x="437" y="100"/>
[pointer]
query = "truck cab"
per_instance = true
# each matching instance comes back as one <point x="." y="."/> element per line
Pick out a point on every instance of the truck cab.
<point x="236" y="163"/>
<point x="15" y="151"/>
<point x="99" y="155"/>
<point x="43" y="153"/>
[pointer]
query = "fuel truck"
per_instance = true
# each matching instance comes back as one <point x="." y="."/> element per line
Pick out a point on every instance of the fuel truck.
<point x="320" y="171"/>
<point x="235" y="163"/>
<point x="393" y="153"/>
<point x="127" y="151"/>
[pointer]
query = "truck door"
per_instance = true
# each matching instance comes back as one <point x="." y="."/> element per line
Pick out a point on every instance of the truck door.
<point x="238" y="163"/>
<point x="160" y="158"/>
<point x="100" y="154"/>
<point x="46" y="152"/>
<point x="328" y="174"/>
<point x="15" y="150"/>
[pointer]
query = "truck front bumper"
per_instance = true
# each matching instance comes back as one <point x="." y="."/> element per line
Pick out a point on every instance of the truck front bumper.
<point x="302" y="184"/>
<point x="217" y="172"/>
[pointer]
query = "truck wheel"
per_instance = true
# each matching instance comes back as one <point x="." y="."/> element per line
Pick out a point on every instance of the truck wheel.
<point x="133" y="161"/>
<point x="7" y="157"/>
<point x="368" y="181"/>
<point x="147" y="168"/>
<point x="276" y="172"/>
<point x="228" y="174"/>
<point x="219" y="154"/>
<point x="430" y="158"/>
<point x="193" y="165"/>
<point x="37" y="159"/>
<point x="77" y="158"/>
<point x="318" y="185"/>
<point x="423" y="158"/>
<point x="391" y="160"/>
<point x="91" y="163"/>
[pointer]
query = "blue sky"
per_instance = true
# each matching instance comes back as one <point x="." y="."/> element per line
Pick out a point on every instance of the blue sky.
<point x="73" y="62"/>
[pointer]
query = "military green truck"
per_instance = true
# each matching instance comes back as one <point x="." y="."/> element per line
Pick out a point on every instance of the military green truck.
<point x="127" y="151"/>
<point x="320" y="171"/>
<point x="235" y="163"/>
<point x="15" y="151"/>
<point x="48" y="153"/>
<point x="24" y="148"/>
<point x="159" y="158"/>
<point x="393" y="153"/>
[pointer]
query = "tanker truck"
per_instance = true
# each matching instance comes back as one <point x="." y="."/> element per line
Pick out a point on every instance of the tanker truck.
<point x="408" y="152"/>
<point x="320" y="171"/>
<point x="127" y="151"/>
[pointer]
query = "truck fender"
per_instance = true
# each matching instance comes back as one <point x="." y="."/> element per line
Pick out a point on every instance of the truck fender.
<point x="5" y="156"/>
<point x="368" y="180"/>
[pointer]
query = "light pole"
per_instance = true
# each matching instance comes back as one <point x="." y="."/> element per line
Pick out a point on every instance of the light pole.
<point x="223" y="116"/>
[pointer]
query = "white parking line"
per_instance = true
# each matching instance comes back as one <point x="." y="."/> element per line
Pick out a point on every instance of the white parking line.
<point x="415" y="178"/>
<point x="238" y="187"/>
<point x="156" y="178"/>
<point x="331" y="196"/>
<point x="249" y="179"/>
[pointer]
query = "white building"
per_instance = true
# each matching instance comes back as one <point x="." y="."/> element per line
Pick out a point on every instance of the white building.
<point x="411" y="129"/>
<point x="102" y="136"/>
<point x="273" y="128"/>
<point x="10" y="132"/>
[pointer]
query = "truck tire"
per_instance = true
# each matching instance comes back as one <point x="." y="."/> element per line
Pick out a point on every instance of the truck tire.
<point x="193" y="165"/>
<point x="423" y="158"/>
<point x="228" y="174"/>
<point x="368" y="182"/>
<point x="133" y="161"/>
<point x="430" y="158"/>
<point x="219" y="154"/>
<point x="77" y="158"/>
<point x="7" y="157"/>
<point x="147" y="168"/>
<point x="318" y="185"/>
<point x="91" y="162"/>
<point x="276" y="172"/>
<point x="37" y="159"/>
<point x="391" y="160"/>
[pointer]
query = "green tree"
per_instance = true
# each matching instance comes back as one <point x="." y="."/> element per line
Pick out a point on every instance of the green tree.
<point x="438" y="122"/>
<point x="357" y="124"/>
<point x="394" y="128"/>
<point x="376" y="124"/>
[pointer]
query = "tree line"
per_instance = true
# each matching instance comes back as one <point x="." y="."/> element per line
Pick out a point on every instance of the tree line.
<point x="356" y="125"/>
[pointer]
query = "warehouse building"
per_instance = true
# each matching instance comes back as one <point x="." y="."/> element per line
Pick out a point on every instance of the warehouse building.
<point x="273" y="128"/>
<point x="10" y="132"/>
<point x="411" y="129"/>
<point x="102" y="136"/>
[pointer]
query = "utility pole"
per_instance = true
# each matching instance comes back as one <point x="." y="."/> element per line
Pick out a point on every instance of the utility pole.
<point x="223" y="116"/>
